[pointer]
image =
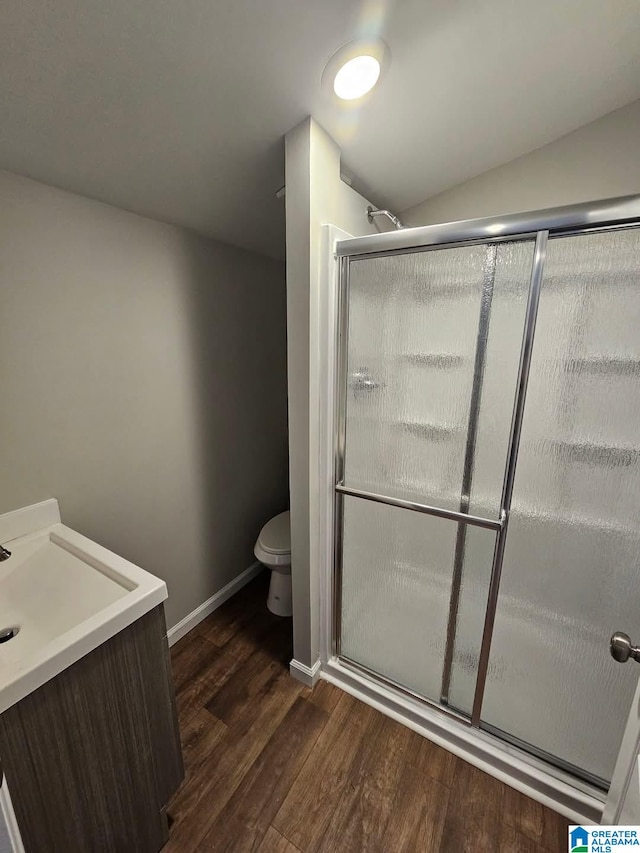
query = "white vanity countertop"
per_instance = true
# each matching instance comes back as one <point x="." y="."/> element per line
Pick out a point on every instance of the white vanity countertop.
<point x="66" y="594"/>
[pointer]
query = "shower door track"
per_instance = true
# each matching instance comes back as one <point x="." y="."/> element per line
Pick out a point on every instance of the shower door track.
<point x="554" y="784"/>
<point x="524" y="748"/>
<point x="574" y="219"/>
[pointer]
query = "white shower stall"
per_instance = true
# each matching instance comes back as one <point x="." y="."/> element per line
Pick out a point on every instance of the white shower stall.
<point x="486" y="497"/>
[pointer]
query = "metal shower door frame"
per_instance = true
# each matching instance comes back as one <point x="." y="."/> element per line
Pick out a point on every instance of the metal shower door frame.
<point x="564" y="221"/>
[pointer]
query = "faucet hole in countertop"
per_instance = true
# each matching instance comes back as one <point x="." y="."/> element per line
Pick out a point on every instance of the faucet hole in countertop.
<point x="9" y="633"/>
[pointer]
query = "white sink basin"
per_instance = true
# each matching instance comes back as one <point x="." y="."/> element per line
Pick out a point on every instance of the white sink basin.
<point x="65" y="594"/>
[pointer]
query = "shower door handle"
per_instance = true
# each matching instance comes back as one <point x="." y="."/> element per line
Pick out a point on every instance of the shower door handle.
<point x="621" y="648"/>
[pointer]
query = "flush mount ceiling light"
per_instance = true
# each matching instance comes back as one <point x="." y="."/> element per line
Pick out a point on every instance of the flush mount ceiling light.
<point x="354" y="70"/>
<point x="356" y="77"/>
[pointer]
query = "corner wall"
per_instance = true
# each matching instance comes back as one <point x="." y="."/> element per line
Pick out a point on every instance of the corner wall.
<point x="315" y="196"/>
<point x="599" y="160"/>
<point x="142" y="383"/>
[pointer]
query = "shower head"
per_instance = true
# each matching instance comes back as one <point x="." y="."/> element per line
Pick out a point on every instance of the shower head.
<point x="372" y="212"/>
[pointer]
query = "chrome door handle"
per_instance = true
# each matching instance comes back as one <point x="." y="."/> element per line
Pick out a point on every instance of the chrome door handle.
<point x="621" y="648"/>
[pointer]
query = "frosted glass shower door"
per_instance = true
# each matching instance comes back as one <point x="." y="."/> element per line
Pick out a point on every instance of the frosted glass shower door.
<point x="415" y="324"/>
<point x="432" y="348"/>
<point x="570" y="574"/>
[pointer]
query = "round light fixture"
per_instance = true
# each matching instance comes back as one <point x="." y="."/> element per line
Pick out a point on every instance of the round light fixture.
<point x="356" y="77"/>
<point x="354" y="70"/>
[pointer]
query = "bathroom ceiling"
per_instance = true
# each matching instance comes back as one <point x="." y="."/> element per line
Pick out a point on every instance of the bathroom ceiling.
<point x="176" y="109"/>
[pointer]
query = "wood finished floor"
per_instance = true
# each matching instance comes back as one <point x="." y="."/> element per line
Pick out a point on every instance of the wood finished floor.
<point x="274" y="767"/>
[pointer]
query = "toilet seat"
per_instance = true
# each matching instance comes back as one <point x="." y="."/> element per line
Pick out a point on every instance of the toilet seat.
<point x="275" y="536"/>
<point x="276" y="562"/>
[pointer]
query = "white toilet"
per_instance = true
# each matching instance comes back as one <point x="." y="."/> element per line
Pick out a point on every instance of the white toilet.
<point x="273" y="549"/>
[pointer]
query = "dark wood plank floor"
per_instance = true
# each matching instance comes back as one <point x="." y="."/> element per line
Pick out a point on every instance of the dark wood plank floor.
<point x="274" y="767"/>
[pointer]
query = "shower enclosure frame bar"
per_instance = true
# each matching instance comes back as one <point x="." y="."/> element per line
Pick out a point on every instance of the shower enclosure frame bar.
<point x="539" y="257"/>
<point x="340" y="383"/>
<point x="427" y="509"/>
<point x="482" y="340"/>
<point x="555" y="220"/>
<point x="608" y="214"/>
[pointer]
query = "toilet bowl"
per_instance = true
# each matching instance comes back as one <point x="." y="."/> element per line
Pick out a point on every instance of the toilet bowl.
<point x="273" y="549"/>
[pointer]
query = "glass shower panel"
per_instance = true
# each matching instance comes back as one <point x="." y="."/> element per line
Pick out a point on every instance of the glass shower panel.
<point x="397" y="568"/>
<point x="424" y="330"/>
<point x="500" y="374"/>
<point x="570" y="571"/>
<point x="469" y="624"/>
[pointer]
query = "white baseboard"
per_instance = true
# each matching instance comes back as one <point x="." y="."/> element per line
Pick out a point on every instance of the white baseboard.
<point x="196" y="616"/>
<point x="308" y="675"/>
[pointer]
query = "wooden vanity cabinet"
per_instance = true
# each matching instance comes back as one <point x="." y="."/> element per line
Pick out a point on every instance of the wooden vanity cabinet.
<point x="93" y="756"/>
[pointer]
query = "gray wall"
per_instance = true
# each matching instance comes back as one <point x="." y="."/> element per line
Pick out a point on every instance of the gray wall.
<point x="599" y="160"/>
<point x="298" y="202"/>
<point x="315" y="196"/>
<point x="142" y="383"/>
